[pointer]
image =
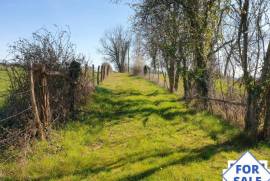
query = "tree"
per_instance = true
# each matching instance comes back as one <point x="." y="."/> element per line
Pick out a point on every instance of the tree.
<point x="182" y="28"/>
<point x="247" y="22"/>
<point x="159" y="22"/>
<point x="198" y="38"/>
<point x="115" y="46"/>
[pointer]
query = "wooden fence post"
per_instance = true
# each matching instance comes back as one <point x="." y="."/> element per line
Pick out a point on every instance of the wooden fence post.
<point x="93" y="74"/>
<point x="101" y="73"/>
<point x="74" y="74"/>
<point x="158" y="75"/>
<point x="128" y="59"/>
<point x="85" y="69"/>
<point x="108" y="70"/>
<point x="98" y="75"/>
<point x="46" y="98"/>
<point x="104" y="72"/>
<point x="34" y="106"/>
<point x="165" y="77"/>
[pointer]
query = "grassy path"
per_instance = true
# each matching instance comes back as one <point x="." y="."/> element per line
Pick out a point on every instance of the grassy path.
<point x="134" y="130"/>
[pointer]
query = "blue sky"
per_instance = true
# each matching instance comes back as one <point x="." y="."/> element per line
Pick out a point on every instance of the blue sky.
<point x="87" y="20"/>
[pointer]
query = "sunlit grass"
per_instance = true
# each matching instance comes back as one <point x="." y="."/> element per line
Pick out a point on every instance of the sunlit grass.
<point x="135" y="130"/>
<point x="222" y="86"/>
<point x="4" y="85"/>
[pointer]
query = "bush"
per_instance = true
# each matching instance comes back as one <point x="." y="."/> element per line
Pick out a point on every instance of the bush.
<point x="49" y="55"/>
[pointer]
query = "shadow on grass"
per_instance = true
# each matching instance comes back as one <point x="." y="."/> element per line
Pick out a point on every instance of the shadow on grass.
<point x="238" y="143"/>
<point x="111" y="106"/>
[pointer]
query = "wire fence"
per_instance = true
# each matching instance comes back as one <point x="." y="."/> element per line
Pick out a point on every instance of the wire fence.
<point x="226" y="98"/>
<point x="11" y="138"/>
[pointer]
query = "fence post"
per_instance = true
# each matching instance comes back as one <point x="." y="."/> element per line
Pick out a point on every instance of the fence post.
<point x="101" y="70"/>
<point x="46" y="98"/>
<point x="165" y="77"/>
<point x="34" y="105"/>
<point x="93" y="74"/>
<point x="74" y="74"/>
<point x="158" y="75"/>
<point x="98" y="75"/>
<point x="102" y="73"/>
<point x="86" y="69"/>
<point x="128" y="59"/>
<point x="108" y="69"/>
<point x="105" y="72"/>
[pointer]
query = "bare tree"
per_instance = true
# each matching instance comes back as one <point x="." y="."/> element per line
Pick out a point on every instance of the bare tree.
<point x="115" y="45"/>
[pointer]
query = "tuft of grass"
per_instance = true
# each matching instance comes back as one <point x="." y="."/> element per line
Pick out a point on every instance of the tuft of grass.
<point x="134" y="130"/>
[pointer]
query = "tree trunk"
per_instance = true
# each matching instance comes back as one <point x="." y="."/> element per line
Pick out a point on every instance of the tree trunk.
<point x="177" y="76"/>
<point x="266" y="97"/>
<point x="202" y="76"/>
<point x="251" y="122"/>
<point x="201" y="69"/>
<point x="185" y="80"/>
<point x="251" y="118"/>
<point x="171" y="75"/>
<point x="266" y="126"/>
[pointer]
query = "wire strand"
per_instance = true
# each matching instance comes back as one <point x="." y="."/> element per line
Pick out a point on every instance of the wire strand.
<point x="13" y="116"/>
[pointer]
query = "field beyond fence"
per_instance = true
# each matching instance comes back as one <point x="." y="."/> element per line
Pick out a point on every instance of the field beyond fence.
<point x="226" y="97"/>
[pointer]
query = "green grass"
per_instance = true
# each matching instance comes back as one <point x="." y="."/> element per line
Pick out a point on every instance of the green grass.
<point x="4" y="85"/>
<point x="132" y="130"/>
<point x="221" y="86"/>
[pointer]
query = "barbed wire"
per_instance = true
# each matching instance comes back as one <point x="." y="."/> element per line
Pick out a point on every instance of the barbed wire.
<point x="13" y="116"/>
<point x="13" y="136"/>
<point x="7" y="93"/>
<point x="7" y="160"/>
